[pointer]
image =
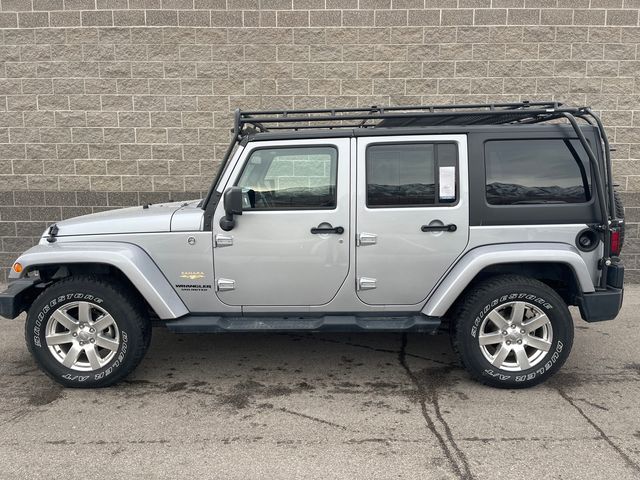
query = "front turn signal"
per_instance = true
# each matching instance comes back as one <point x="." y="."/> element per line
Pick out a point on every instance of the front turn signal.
<point x="17" y="267"/>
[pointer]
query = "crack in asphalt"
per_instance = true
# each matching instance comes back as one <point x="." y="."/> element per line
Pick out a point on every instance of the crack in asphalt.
<point x="454" y="454"/>
<point x="375" y="349"/>
<point x="593" y="404"/>
<point x="314" y="419"/>
<point x="107" y="442"/>
<point x="15" y="417"/>
<point x="546" y="438"/>
<point x="602" y="433"/>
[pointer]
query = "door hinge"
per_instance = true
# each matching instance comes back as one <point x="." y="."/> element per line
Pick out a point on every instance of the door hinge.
<point x="221" y="240"/>
<point x="363" y="239"/>
<point x="366" y="283"/>
<point x="225" y="284"/>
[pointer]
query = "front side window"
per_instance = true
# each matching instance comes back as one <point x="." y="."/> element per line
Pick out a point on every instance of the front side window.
<point x="411" y="174"/>
<point x="538" y="171"/>
<point x="290" y="178"/>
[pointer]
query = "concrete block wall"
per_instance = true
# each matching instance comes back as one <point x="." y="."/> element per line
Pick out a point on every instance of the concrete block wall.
<point x="110" y="103"/>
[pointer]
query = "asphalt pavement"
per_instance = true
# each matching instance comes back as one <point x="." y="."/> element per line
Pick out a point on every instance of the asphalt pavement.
<point x="324" y="406"/>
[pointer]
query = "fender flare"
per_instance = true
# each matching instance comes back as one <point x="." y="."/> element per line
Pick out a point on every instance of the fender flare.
<point x="130" y="259"/>
<point x="474" y="261"/>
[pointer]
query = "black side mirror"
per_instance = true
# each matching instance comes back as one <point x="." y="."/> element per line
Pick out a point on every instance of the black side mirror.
<point x="232" y="201"/>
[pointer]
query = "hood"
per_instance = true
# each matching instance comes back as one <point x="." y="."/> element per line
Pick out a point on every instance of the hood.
<point x="154" y="218"/>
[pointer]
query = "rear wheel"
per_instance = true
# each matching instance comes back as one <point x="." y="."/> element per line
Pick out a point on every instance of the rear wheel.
<point x="512" y="331"/>
<point x="86" y="331"/>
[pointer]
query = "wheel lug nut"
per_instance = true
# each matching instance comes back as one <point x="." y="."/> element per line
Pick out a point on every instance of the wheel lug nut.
<point x="522" y="331"/>
<point x="519" y="342"/>
<point x="508" y="342"/>
<point x="81" y="343"/>
<point x="92" y="330"/>
<point x="75" y="334"/>
<point x="93" y="340"/>
<point x="504" y="332"/>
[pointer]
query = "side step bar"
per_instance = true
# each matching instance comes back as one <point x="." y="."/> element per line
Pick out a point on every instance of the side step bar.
<point x="329" y="323"/>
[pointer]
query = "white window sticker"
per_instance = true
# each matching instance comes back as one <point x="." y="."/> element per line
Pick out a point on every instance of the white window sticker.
<point x="447" y="183"/>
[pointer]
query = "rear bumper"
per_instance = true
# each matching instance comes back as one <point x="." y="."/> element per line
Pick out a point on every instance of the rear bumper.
<point x="604" y="304"/>
<point x="15" y="299"/>
<point x="601" y="305"/>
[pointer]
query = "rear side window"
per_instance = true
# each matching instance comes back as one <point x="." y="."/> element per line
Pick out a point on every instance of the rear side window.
<point x="538" y="171"/>
<point x="411" y="174"/>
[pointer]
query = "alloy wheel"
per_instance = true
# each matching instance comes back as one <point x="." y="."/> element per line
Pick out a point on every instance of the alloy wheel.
<point x="82" y="336"/>
<point x="515" y="336"/>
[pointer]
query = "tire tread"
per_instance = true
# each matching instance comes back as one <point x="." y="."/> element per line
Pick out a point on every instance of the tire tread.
<point x="132" y="303"/>
<point x="463" y="309"/>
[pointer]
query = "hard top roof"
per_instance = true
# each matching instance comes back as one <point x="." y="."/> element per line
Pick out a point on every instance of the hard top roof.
<point x="562" y="129"/>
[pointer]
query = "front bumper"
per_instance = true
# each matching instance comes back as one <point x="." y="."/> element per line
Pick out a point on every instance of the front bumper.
<point x="16" y="298"/>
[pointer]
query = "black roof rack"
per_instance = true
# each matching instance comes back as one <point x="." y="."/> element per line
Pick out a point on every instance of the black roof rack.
<point x="518" y="113"/>
<point x="398" y="116"/>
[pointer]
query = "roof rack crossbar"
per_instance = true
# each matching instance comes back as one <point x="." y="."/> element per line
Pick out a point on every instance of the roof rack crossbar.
<point x="420" y="115"/>
<point x="380" y="116"/>
<point x="402" y="108"/>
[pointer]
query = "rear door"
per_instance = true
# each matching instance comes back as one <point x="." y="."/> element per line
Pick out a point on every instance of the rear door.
<point x="412" y="214"/>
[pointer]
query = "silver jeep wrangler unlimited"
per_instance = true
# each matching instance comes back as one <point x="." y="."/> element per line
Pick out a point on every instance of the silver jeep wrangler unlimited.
<point x="486" y="220"/>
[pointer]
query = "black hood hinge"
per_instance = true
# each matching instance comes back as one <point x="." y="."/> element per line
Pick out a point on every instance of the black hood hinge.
<point x="53" y="231"/>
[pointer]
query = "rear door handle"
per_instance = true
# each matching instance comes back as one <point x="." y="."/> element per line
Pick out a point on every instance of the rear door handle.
<point x="328" y="229"/>
<point x="439" y="228"/>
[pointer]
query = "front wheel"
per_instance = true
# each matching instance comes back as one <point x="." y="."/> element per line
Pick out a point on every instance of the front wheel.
<point x="87" y="331"/>
<point x="512" y="332"/>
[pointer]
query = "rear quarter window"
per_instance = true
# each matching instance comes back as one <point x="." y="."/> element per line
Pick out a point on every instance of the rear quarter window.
<point x="536" y="171"/>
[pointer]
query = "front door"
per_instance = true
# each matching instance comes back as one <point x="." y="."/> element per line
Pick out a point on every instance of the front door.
<point x="412" y="214"/>
<point x="290" y="246"/>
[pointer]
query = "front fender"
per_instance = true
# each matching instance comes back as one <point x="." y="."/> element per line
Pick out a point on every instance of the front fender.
<point x="130" y="259"/>
<point x="474" y="261"/>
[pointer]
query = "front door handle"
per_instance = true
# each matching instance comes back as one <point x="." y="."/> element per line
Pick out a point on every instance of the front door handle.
<point x="327" y="229"/>
<point x="221" y="240"/>
<point x="363" y="239"/>
<point x="439" y="228"/>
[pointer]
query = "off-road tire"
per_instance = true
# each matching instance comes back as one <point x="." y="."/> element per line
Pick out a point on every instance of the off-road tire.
<point x="125" y="308"/>
<point x="487" y="295"/>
